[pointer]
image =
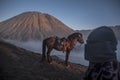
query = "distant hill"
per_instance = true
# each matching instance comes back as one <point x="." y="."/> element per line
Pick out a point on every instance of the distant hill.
<point x="116" y="30"/>
<point x="33" y="25"/>
<point x="20" y="64"/>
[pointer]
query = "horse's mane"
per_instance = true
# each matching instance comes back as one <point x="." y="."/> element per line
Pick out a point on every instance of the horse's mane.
<point x="74" y="35"/>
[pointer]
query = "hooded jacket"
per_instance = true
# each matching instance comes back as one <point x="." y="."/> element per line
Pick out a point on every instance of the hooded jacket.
<point x="101" y="45"/>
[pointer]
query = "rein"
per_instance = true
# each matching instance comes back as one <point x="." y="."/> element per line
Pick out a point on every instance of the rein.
<point x="77" y="47"/>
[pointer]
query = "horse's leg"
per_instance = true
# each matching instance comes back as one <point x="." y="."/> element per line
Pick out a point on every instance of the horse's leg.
<point x="48" y="55"/>
<point x="43" y="50"/>
<point x="67" y="57"/>
<point x="43" y="57"/>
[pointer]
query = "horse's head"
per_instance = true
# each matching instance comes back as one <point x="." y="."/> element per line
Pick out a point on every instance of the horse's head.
<point x="79" y="38"/>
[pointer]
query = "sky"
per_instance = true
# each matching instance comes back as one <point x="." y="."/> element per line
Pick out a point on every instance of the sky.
<point x="77" y="14"/>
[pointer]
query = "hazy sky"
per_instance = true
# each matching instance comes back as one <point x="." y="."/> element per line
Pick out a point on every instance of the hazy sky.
<point x="77" y="14"/>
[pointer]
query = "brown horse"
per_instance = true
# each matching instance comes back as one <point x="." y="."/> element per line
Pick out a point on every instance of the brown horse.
<point x="60" y="44"/>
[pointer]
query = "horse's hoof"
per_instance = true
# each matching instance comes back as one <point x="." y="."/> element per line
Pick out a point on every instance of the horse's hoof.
<point x="67" y="66"/>
<point x="51" y="63"/>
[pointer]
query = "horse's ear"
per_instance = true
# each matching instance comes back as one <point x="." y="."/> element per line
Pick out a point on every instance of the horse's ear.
<point x="80" y="35"/>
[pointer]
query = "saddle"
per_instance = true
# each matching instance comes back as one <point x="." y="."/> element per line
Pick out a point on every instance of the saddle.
<point x="58" y="41"/>
<point x="63" y="42"/>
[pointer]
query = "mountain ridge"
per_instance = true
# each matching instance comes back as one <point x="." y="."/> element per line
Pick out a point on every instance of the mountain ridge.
<point x="116" y="30"/>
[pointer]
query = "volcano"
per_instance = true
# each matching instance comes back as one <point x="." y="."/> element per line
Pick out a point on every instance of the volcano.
<point x="33" y="26"/>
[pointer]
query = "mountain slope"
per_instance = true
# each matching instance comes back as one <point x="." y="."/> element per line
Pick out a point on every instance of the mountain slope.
<point x="33" y="25"/>
<point x="20" y="64"/>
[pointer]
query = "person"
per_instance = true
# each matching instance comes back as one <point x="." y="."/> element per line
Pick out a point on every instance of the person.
<point x="100" y="48"/>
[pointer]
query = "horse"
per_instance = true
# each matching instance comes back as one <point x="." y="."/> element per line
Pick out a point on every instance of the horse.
<point x="60" y="44"/>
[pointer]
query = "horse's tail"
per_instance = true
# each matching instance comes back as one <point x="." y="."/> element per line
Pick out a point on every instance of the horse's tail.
<point x="43" y="50"/>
